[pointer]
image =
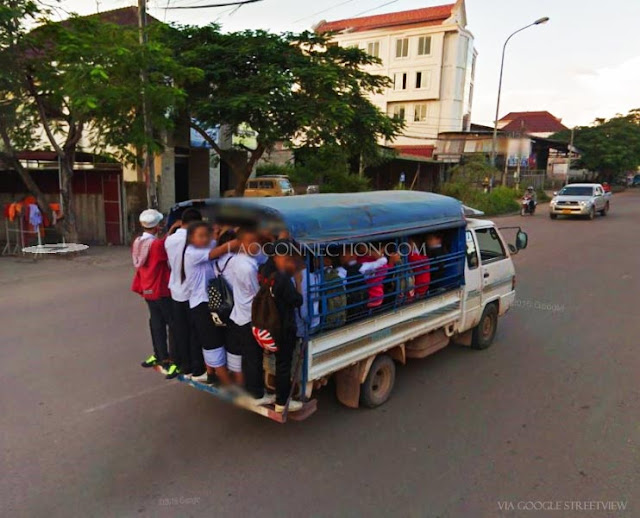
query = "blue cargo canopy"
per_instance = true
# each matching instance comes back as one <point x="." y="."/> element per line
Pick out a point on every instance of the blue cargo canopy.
<point x="339" y="218"/>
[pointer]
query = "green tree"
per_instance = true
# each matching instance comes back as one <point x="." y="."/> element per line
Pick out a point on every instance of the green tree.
<point x="15" y="16"/>
<point x="609" y="146"/>
<point x="474" y="170"/>
<point x="286" y="87"/>
<point x="79" y="81"/>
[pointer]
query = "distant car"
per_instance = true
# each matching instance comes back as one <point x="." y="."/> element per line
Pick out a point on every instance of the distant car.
<point x="265" y="187"/>
<point x="635" y="181"/>
<point x="580" y="199"/>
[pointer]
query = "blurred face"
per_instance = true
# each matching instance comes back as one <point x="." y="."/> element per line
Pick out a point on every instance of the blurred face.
<point x="347" y="258"/>
<point x="433" y="241"/>
<point x="394" y="258"/>
<point x="201" y="237"/>
<point x="249" y="243"/>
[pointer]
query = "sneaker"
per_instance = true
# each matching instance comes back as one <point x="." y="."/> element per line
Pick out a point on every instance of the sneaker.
<point x="151" y="361"/>
<point x="267" y="399"/>
<point x="172" y="372"/>
<point x="294" y="406"/>
<point x="201" y="378"/>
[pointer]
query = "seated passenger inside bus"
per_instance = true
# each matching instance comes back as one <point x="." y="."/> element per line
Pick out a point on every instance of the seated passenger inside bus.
<point x="399" y="285"/>
<point x="420" y="265"/>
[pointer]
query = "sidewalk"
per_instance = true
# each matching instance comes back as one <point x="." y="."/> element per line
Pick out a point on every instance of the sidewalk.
<point x="16" y="269"/>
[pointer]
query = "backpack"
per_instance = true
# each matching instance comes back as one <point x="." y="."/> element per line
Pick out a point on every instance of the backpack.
<point x="220" y="297"/>
<point x="336" y="298"/>
<point x="357" y="291"/>
<point x="265" y="318"/>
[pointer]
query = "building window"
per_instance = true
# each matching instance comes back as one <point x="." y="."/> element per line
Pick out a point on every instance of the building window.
<point x="423" y="80"/>
<point x="421" y="112"/>
<point x="398" y="111"/>
<point x="402" y="47"/>
<point x="373" y="49"/>
<point x="400" y="81"/>
<point x="424" y="45"/>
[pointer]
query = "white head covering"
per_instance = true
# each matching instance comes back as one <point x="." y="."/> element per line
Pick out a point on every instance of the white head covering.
<point x="150" y="218"/>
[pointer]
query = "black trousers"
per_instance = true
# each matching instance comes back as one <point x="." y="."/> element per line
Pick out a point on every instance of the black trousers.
<point x="284" y="359"/>
<point x="208" y="336"/>
<point x="188" y="353"/>
<point x="252" y="355"/>
<point x="159" y="323"/>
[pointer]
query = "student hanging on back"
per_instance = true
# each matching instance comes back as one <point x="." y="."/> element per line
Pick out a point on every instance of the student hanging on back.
<point x="151" y="281"/>
<point x="281" y="276"/>
<point x="188" y="358"/>
<point x="197" y="270"/>
<point x="242" y="274"/>
<point x="224" y="268"/>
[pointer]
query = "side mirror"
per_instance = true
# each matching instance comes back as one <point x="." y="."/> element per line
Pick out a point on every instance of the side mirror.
<point x="512" y="249"/>
<point x="522" y="240"/>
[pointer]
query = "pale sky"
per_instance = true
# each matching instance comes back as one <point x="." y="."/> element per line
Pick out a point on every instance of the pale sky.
<point x="583" y="64"/>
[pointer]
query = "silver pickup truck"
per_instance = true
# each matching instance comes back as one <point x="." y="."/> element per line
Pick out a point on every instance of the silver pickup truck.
<point x="580" y="199"/>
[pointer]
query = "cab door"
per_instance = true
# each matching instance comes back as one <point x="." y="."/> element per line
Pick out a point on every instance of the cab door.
<point x="599" y="198"/>
<point x="496" y="267"/>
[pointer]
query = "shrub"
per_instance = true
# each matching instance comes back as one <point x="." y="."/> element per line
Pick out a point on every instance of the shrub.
<point x="500" y="200"/>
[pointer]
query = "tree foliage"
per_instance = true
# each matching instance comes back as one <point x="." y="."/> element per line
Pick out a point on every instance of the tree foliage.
<point x="286" y="87"/>
<point x="79" y="82"/>
<point x="474" y="170"/>
<point x="609" y="146"/>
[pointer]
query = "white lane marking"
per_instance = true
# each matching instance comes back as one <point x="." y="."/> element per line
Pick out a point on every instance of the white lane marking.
<point x="128" y="398"/>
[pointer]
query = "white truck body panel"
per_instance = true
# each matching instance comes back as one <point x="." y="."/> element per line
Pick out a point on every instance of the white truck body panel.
<point x="456" y="312"/>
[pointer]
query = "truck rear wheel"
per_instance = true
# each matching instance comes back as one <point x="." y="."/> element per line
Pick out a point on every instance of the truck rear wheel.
<point x="379" y="383"/>
<point x="485" y="331"/>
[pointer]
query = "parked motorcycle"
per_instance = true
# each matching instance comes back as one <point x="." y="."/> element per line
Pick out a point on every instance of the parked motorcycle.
<point x="528" y="205"/>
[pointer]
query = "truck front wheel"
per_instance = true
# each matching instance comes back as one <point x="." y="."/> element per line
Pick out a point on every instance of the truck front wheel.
<point x="485" y="331"/>
<point x="378" y="384"/>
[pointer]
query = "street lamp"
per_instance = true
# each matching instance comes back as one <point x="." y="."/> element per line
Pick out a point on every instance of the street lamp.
<point x="494" y="142"/>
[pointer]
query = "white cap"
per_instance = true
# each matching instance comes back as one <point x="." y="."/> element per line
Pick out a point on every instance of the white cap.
<point x="150" y="218"/>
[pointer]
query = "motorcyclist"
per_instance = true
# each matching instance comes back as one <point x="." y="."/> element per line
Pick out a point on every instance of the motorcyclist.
<point x="532" y="197"/>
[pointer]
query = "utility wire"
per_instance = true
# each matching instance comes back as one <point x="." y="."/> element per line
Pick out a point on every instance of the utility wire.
<point x="239" y="3"/>
<point x="376" y="8"/>
<point x="323" y="11"/>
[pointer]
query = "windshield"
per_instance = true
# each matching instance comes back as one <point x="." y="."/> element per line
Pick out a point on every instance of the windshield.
<point x="576" y="191"/>
<point x="284" y="184"/>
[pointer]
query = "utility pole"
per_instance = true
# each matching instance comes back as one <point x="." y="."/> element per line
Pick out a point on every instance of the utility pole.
<point x="569" y="158"/>
<point x="149" y="168"/>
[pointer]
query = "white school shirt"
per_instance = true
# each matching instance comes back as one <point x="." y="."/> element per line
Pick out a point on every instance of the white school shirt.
<point x="174" y="245"/>
<point x="242" y="274"/>
<point x="198" y="271"/>
<point x="366" y="269"/>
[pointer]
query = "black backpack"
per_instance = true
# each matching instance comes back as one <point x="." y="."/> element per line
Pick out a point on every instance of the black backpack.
<point x="220" y="297"/>
<point x="357" y="291"/>
<point x="265" y="318"/>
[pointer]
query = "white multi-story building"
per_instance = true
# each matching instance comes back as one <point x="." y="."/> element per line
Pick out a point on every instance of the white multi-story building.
<point x="429" y="55"/>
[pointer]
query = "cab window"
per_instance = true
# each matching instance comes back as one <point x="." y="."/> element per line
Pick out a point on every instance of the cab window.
<point x="252" y="185"/>
<point x="472" y="252"/>
<point x="284" y="184"/>
<point x="490" y="245"/>
<point x="266" y="184"/>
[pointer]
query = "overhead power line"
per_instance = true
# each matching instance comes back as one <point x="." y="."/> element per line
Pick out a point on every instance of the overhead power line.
<point x="378" y="7"/>
<point x="323" y="11"/>
<point x="239" y="3"/>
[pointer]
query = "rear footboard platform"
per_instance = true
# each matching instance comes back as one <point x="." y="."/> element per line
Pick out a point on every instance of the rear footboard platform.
<point x="243" y="402"/>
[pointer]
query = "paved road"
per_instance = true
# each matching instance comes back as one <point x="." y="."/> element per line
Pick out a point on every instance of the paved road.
<point x="548" y="414"/>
